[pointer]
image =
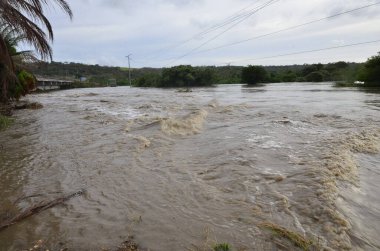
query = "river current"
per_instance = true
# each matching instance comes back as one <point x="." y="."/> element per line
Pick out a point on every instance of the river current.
<point x="187" y="170"/>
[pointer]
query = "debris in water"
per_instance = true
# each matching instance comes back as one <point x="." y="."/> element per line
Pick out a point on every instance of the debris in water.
<point x="42" y="206"/>
<point x="185" y="90"/>
<point x="91" y="94"/>
<point x="297" y="239"/>
<point x="129" y="245"/>
<point x="284" y="121"/>
<point x="275" y="177"/>
<point x="35" y="106"/>
<point x="145" y="106"/>
<point x="144" y="142"/>
<point x="27" y="105"/>
<point x="213" y="104"/>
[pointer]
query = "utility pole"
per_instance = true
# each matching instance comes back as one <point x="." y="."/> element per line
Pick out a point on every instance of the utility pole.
<point x="129" y="68"/>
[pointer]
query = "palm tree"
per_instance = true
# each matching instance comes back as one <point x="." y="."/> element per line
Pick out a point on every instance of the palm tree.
<point x="12" y="39"/>
<point x="24" y="17"/>
<point x="25" y="81"/>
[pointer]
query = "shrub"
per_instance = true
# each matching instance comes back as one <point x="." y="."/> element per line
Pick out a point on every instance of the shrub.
<point x="315" y="76"/>
<point x="371" y="71"/>
<point x="179" y="76"/>
<point x="254" y="74"/>
<point x="5" y="122"/>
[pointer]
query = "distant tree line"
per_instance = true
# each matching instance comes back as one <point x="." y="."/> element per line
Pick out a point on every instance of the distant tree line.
<point x="188" y="76"/>
<point x="370" y="73"/>
<point x="84" y="75"/>
<point x="340" y="71"/>
<point x="182" y="76"/>
<point x="179" y="76"/>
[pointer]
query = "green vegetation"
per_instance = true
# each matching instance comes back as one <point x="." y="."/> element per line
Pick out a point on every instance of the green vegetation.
<point x="222" y="247"/>
<point x="180" y="76"/>
<point x="26" y="82"/>
<point x="87" y="75"/>
<point x="183" y="76"/>
<point x="186" y="76"/>
<point x="254" y="74"/>
<point x="5" y="122"/>
<point x="339" y="71"/>
<point x="227" y="74"/>
<point x="148" y="80"/>
<point x="370" y="73"/>
<point x="17" y="81"/>
<point x="23" y="21"/>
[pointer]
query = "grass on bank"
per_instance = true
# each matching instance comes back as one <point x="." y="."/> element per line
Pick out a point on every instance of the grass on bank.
<point x="222" y="247"/>
<point x="5" y="122"/>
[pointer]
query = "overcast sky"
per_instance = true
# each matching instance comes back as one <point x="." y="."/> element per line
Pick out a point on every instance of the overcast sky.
<point x="153" y="31"/>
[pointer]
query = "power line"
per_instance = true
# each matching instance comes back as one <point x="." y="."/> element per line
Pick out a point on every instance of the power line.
<point x="226" y="30"/>
<point x="308" y="51"/>
<point x="223" y="23"/>
<point x="288" y="28"/>
<point x="268" y="34"/>
<point x="229" y="20"/>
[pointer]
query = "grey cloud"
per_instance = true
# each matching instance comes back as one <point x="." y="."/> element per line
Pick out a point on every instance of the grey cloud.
<point x="129" y="4"/>
<point x="104" y="30"/>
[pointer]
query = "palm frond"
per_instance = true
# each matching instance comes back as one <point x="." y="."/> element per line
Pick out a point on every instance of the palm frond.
<point x="24" y="21"/>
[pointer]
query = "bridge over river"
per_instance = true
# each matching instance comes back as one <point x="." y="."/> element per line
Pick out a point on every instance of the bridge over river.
<point x="51" y="84"/>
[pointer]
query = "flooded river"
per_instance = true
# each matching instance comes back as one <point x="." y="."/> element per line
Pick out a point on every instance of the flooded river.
<point x="183" y="171"/>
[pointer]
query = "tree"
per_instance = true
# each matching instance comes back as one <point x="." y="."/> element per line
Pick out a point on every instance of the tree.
<point x="289" y="76"/>
<point x="178" y="76"/>
<point x="186" y="76"/>
<point x="147" y="80"/>
<point x="26" y="82"/>
<point x="205" y="76"/>
<point x="371" y="71"/>
<point x="21" y="81"/>
<point x="337" y="71"/>
<point x="311" y="68"/>
<point x="315" y="76"/>
<point x="23" y="17"/>
<point x="254" y="74"/>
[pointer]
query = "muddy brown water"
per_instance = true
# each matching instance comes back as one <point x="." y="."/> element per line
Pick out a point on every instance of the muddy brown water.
<point x="182" y="171"/>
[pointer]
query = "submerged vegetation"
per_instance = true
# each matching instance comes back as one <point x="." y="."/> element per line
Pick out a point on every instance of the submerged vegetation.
<point x="5" y="122"/>
<point x="222" y="247"/>
<point x="295" y="238"/>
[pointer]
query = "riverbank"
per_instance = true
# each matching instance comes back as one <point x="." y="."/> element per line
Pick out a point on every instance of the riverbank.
<point x="6" y="111"/>
<point x="5" y="122"/>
